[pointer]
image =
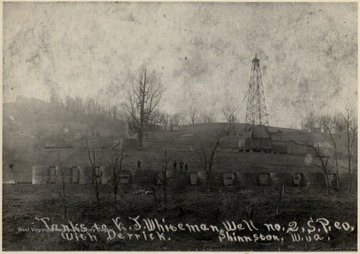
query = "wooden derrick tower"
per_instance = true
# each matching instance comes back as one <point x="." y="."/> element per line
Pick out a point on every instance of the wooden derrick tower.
<point x="256" y="113"/>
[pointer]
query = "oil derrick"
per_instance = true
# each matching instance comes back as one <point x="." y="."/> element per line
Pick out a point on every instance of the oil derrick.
<point x="256" y="113"/>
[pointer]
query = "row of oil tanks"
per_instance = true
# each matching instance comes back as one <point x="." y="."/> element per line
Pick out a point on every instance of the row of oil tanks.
<point x="103" y="174"/>
<point x="81" y="175"/>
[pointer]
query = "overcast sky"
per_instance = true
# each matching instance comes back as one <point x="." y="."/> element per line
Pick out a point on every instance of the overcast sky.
<point x="201" y="51"/>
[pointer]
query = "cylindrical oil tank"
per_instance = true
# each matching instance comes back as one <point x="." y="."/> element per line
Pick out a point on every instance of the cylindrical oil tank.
<point x="63" y="174"/>
<point x="228" y="178"/>
<point x="171" y="181"/>
<point x="181" y="178"/>
<point x="40" y="175"/>
<point x="141" y="177"/>
<point x="187" y="178"/>
<point x="332" y="178"/>
<point x="344" y="179"/>
<point x="264" y="179"/>
<point x="298" y="180"/>
<point x="75" y="175"/>
<point x="159" y="178"/>
<point x="202" y="178"/>
<point x="106" y="175"/>
<point x="170" y="173"/>
<point x="133" y="177"/>
<point x="216" y="179"/>
<point x="246" y="179"/>
<point x="178" y="182"/>
<point x="151" y="176"/>
<point x="132" y="174"/>
<point x="344" y="182"/>
<point x="277" y="179"/>
<point x="193" y="178"/>
<point x="315" y="180"/>
<point x="124" y="177"/>
<point x="84" y="175"/>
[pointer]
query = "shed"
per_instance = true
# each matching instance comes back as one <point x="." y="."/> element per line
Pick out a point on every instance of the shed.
<point x="258" y="138"/>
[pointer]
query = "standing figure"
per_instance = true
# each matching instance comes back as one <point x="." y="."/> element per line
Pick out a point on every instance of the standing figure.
<point x="181" y="164"/>
<point x="139" y="164"/>
<point x="175" y="164"/>
<point x="186" y="166"/>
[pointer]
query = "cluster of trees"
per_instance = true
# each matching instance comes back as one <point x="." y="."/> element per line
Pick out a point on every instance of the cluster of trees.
<point x="193" y="115"/>
<point x="207" y="154"/>
<point x="314" y="122"/>
<point x="142" y="111"/>
<point x="340" y="129"/>
<point x="88" y="106"/>
<point x="118" y="157"/>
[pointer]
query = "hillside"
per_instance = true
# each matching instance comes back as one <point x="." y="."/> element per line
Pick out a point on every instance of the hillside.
<point x="30" y="125"/>
<point x="33" y="131"/>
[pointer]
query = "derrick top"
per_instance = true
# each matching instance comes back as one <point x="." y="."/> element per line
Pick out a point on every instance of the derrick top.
<point x="256" y="62"/>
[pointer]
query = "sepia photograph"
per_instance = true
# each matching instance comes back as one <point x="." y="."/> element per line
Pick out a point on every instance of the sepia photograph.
<point x="180" y="126"/>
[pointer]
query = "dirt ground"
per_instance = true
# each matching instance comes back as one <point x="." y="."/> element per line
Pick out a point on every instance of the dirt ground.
<point x="23" y="203"/>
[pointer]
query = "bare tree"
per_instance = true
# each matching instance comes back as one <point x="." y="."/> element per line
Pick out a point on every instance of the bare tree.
<point x="207" y="154"/>
<point x="117" y="162"/>
<point x="330" y="125"/>
<point x="230" y="112"/>
<point x="193" y="114"/>
<point x="325" y="165"/>
<point x="162" y="162"/>
<point x="142" y="103"/>
<point x="310" y="122"/>
<point x="176" y="120"/>
<point x="166" y="161"/>
<point x="55" y="99"/>
<point x="339" y="126"/>
<point x="350" y="125"/>
<point x="92" y="156"/>
<point x="63" y="192"/>
<point x="323" y="122"/>
<point x="165" y="120"/>
<point x="207" y="117"/>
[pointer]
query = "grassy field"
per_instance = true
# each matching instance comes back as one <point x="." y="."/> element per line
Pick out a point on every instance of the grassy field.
<point x="22" y="203"/>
